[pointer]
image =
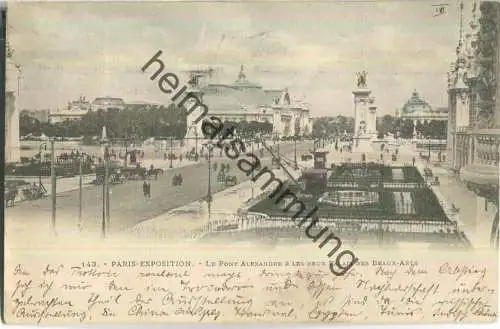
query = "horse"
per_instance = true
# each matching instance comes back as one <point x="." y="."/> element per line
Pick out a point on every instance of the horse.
<point x="10" y="196"/>
<point x="158" y="172"/>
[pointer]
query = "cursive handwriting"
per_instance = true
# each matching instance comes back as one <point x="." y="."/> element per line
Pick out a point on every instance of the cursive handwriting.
<point x="377" y="291"/>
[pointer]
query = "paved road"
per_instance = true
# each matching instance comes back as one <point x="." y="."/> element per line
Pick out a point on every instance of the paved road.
<point x="128" y="206"/>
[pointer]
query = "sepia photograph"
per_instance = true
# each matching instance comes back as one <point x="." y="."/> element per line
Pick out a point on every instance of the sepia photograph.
<point x="250" y="162"/>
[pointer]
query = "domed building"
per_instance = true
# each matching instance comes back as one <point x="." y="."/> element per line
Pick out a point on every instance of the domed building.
<point x="420" y="113"/>
<point x="248" y="104"/>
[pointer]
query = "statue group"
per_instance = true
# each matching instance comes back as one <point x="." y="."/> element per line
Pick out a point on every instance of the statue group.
<point x="361" y="79"/>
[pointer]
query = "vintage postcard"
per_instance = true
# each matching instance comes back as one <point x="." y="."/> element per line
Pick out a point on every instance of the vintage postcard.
<point x="252" y="162"/>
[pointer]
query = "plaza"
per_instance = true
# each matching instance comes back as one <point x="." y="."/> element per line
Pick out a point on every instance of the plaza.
<point x="399" y="205"/>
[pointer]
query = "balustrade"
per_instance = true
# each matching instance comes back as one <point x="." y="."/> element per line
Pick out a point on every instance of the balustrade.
<point x="479" y="147"/>
<point x="487" y="149"/>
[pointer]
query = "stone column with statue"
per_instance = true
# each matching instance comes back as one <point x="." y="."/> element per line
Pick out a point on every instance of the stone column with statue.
<point x="362" y="101"/>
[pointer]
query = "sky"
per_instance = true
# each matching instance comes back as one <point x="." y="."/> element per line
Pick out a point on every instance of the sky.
<point x="312" y="48"/>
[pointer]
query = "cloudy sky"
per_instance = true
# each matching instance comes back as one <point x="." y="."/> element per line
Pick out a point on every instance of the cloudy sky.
<point x="315" y="49"/>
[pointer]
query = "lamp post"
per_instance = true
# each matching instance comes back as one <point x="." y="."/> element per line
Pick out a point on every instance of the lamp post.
<point x="429" y="150"/>
<point x="196" y="144"/>
<point x="278" y="150"/>
<point x="80" y="191"/>
<point x="295" y="152"/>
<point x="171" y="155"/>
<point x="53" y="184"/>
<point x="251" y="180"/>
<point x="209" y="197"/>
<point x="43" y="145"/>
<point x="105" y="192"/>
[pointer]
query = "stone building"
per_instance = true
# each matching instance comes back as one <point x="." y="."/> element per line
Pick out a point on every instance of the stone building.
<point x="474" y="115"/>
<point x="247" y="101"/>
<point x="420" y="112"/>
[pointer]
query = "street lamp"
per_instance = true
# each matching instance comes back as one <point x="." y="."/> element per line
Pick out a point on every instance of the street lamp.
<point x="44" y="146"/>
<point x="196" y="144"/>
<point x="251" y="180"/>
<point x="209" y="197"/>
<point x="171" y="154"/>
<point x="295" y="152"/>
<point x="80" y="190"/>
<point x="105" y="190"/>
<point x="53" y="184"/>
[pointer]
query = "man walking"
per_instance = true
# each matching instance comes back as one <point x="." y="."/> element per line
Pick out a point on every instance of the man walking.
<point x="146" y="189"/>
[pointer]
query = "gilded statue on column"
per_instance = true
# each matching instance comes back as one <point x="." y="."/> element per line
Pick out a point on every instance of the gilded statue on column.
<point x="361" y="76"/>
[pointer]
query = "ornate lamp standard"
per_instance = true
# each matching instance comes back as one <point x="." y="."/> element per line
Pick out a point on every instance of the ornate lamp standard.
<point x="44" y="146"/>
<point x="105" y="190"/>
<point x="53" y="176"/>
<point x="171" y="154"/>
<point x="196" y="145"/>
<point x="295" y="152"/>
<point x="209" y="197"/>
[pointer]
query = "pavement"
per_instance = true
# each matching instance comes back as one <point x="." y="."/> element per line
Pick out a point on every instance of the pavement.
<point x="128" y="206"/>
<point x="65" y="184"/>
<point x="187" y="222"/>
<point x="474" y="220"/>
<point x="176" y="212"/>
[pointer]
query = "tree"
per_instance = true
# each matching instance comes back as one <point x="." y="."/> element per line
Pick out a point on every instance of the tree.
<point x="386" y="124"/>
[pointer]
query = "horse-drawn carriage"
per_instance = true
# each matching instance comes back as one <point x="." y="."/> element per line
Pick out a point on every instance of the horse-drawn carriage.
<point x="135" y="173"/>
<point x="155" y="172"/>
<point x="192" y="156"/>
<point x="116" y="174"/>
<point x="11" y="191"/>
<point x="34" y="192"/>
<point x="170" y="156"/>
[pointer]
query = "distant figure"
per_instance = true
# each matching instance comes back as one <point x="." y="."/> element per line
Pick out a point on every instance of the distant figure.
<point x="413" y="161"/>
<point x="146" y="189"/>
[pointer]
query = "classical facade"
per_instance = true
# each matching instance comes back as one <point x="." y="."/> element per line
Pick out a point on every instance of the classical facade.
<point x="64" y="115"/>
<point x="420" y="112"/>
<point x="12" y="142"/>
<point x="248" y="101"/>
<point x="74" y="111"/>
<point x="474" y="116"/>
<point x="104" y="103"/>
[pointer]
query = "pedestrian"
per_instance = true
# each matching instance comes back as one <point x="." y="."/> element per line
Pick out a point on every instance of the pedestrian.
<point x="149" y="190"/>
<point x="146" y="189"/>
<point x="413" y="160"/>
